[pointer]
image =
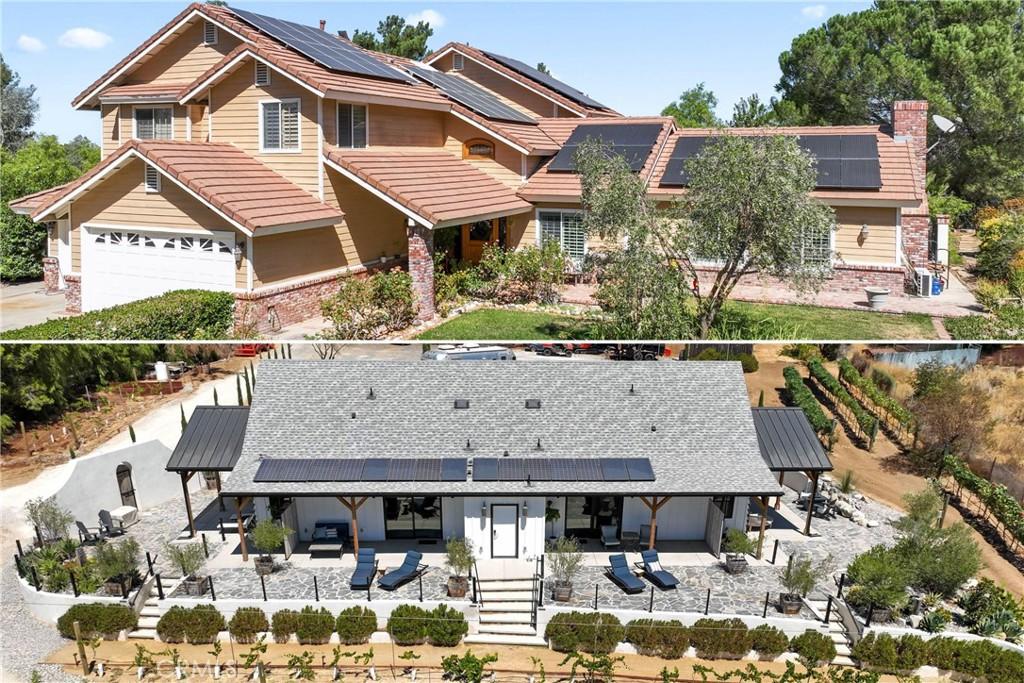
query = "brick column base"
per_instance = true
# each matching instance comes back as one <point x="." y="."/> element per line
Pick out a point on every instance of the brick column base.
<point x="916" y="229"/>
<point x="421" y="268"/>
<point x="73" y="293"/>
<point x="51" y="274"/>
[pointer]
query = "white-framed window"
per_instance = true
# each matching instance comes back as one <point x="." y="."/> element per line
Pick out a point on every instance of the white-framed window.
<point x="816" y="246"/>
<point x="154" y="123"/>
<point x="458" y="62"/>
<point x="565" y="228"/>
<point x="209" y="33"/>
<point x="352" y="128"/>
<point x="262" y="74"/>
<point x="280" y="126"/>
<point x="151" y="178"/>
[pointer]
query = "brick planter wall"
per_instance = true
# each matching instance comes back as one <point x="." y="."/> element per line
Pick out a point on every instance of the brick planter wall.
<point x="51" y="274"/>
<point x="845" y="278"/>
<point x="421" y="267"/>
<point x="73" y="293"/>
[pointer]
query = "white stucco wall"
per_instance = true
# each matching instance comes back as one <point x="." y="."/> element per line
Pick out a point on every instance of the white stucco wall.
<point x="531" y="525"/>
<point x="310" y="510"/>
<point x="681" y="519"/>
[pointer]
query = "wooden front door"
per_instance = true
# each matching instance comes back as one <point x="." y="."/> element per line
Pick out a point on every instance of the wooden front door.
<point x="476" y="236"/>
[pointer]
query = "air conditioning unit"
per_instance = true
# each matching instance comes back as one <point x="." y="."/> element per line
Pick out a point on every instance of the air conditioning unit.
<point x="924" y="281"/>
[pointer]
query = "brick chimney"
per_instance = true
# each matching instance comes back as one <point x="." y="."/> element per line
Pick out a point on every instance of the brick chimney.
<point x="910" y="125"/>
<point x="323" y="24"/>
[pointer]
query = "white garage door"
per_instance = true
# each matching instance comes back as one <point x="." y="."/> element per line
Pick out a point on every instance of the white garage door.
<point x="122" y="265"/>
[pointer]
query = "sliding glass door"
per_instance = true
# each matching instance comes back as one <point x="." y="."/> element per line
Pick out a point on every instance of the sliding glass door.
<point x="415" y="517"/>
<point x="585" y="515"/>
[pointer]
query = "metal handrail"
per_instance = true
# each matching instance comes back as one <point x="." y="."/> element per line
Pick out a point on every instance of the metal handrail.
<point x="476" y="583"/>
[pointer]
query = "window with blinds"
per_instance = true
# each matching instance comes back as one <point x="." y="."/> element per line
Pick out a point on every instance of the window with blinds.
<point x="154" y="123"/>
<point x="279" y="126"/>
<point x="351" y="125"/>
<point x="565" y="228"/>
<point x="151" y="179"/>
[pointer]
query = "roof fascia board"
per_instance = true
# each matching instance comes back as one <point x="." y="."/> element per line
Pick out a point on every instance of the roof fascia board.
<point x="174" y="29"/>
<point x="538" y="492"/>
<point x="361" y="98"/>
<point x="497" y="136"/>
<point x="295" y="227"/>
<point x="504" y="75"/>
<point x="113" y="165"/>
<point x="378" y="193"/>
<point x="482" y="217"/>
<point x="139" y="99"/>
<point x="230" y="66"/>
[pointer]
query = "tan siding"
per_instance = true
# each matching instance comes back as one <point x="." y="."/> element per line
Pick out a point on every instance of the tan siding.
<point x="197" y="112"/>
<point x="111" y="128"/>
<point x="371" y="227"/>
<point x="295" y="254"/>
<point x="122" y="118"/>
<point x="183" y="58"/>
<point x="235" y="112"/>
<point x="507" y="164"/>
<point x="506" y="87"/>
<point x="398" y="126"/>
<point x="879" y="247"/>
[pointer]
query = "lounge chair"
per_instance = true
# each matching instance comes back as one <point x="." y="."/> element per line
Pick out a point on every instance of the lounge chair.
<point x="610" y="536"/>
<point x="410" y="569"/>
<point x="109" y="526"/>
<point x="618" y="571"/>
<point x="87" y="534"/>
<point x="366" y="569"/>
<point x="651" y="567"/>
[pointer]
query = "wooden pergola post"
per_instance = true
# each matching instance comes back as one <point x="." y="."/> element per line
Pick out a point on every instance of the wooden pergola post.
<point x="778" y="498"/>
<point x="810" y="503"/>
<point x="353" y="506"/>
<point x="239" y="504"/>
<point x="763" y="500"/>
<point x="654" y="504"/>
<point x="185" y="477"/>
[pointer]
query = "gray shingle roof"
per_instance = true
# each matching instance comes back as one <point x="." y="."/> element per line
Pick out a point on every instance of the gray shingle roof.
<point x="212" y="441"/>
<point x="787" y="441"/>
<point x="693" y="420"/>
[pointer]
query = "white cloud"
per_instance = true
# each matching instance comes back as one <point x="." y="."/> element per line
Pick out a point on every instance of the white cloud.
<point x="813" y="11"/>
<point x="85" y="38"/>
<point x="431" y="16"/>
<point x="30" y="43"/>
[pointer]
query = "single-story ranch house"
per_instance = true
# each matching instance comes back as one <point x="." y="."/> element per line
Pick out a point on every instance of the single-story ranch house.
<point x="261" y="157"/>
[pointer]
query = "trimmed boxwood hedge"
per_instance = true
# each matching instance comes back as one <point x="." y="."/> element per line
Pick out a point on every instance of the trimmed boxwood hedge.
<point x="197" y="625"/>
<point x="655" y="638"/>
<point x="408" y="625"/>
<point x="314" y="626"/>
<point x="590" y="632"/>
<point x="447" y="626"/>
<point x="283" y="624"/>
<point x="246" y="623"/>
<point x="813" y="647"/>
<point x="978" y="658"/>
<point x="97" y="619"/>
<point x="181" y="314"/>
<point x="355" y="625"/>
<point x="721" y="638"/>
<point x="770" y="642"/>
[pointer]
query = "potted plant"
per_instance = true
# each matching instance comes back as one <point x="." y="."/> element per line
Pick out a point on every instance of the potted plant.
<point x="551" y="515"/>
<point x="189" y="558"/>
<point x="799" y="579"/>
<point x="564" y="560"/>
<point x="459" y="561"/>
<point x="118" y="564"/>
<point x="737" y="546"/>
<point x="267" y="537"/>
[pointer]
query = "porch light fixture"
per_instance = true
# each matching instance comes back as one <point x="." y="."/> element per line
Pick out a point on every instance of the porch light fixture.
<point x="238" y="254"/>
<point x="632" y="389"/>
<point x="539" y="447"/>
<point x="526" y="511"/>
<point x="483" y="508"/>
<point x="864" y="231"/>
<point x="505" y="454"/>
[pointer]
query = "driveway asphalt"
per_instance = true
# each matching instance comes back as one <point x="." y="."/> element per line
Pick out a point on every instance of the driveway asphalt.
<point x="27" y="303"/>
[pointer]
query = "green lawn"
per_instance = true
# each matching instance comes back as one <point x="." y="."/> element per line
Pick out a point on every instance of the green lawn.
<point x="775" y="322"/>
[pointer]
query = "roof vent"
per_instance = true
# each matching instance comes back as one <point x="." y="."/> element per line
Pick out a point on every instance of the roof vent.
<point x="632" y="389"/>
<point x="505" y="454"/>
<point x="353" y="416"/>
<point x="469" y="446"/>
<point x="462" y="404"/>
<point x="654" y="428"/>
<point x="533" y="404"/>
<point x="371" y="396"/>
<point x="343" y="35"/>
<point x="539" y="447"/>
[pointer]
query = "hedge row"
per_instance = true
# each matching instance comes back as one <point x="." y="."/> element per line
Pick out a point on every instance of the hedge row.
<point x="978" y="658"/>
<point x="995" y="497"/>
<point x="802" y="397"/>
<point x="182" y="314"/>
<point x="865" y="420"/>
<point x="894" y="408"/>
<point x="97" y="620"/>
<point x="412" y="625"/>
<point x="199" y="624"/>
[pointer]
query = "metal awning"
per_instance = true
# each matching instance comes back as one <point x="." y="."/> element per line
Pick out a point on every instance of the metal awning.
<point x="787" y="441"/>
<point x="212" y="440"/>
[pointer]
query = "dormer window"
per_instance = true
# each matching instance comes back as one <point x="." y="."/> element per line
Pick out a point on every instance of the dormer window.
<point x="209" y="33"/>
<point x="262" y="74"/>
<point x="351" y="125"/>
<point x="154" y="123"/>
<point x="457" y="62"/>
<point x="478" y="149"/>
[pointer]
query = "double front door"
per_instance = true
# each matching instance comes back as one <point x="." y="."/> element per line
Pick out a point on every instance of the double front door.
<point x="585" y="515"/>
<point x="412" y="517"/>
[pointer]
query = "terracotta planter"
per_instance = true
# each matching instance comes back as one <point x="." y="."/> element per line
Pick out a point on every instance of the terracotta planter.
<point x="457" y="586"/>
<point x="264" y="565"/>
<point x="561" y="591"/>
<point x="790" y="603"/>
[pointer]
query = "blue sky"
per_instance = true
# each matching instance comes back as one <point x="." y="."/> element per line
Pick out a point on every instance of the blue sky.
<point x="635" y="57"/>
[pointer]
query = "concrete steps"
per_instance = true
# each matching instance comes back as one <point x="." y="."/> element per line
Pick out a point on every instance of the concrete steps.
<point x="501" y="606"/>
<point x="506" y="608"/>
<point x="505" y="639"/>
<point x="505" y="617"/>
<point x="508" y="629"/>
<point x="836" y="631"/>
<point x="504" y="585"/>
<point x="505" y="596"/>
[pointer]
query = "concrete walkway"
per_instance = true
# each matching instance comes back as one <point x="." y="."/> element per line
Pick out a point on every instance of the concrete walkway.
<point x="27" y="303"/>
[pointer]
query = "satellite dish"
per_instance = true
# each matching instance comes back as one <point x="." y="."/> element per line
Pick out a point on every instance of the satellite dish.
<point x="943" y="124"/>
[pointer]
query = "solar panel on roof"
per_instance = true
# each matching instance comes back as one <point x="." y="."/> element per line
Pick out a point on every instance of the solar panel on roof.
<point x="469" y="94"/>
<point x="375" y="469"/>
<point x="485" y="469"/>
<point x="453" y="469"/>
<point x="639" y="469"/>
<point x="546" y="79"/>
<point x="563" y="469"/>
<point x="860" y="174"/>
<point x="322" y="47"/>
<point x="402" y="469"/>
<point x="538" y="469"/>
<point x="588" y="469"/>
<point x="631" y="141"/>
<point x="511" y="469"/>
<point x="614" y="469"/>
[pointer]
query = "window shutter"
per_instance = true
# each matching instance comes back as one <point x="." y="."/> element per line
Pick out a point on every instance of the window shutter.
<point x="152" y="178"/>
<point x="457" y="62"/>
<point x="290" y="125"/>
<point x="209" y="33"/>
<point x="359" y="126"/>
<point x="344" y="125"/>
<point x="262" y="74"/>
<point x="271" y="125"/>
<point x="162" y="123"/>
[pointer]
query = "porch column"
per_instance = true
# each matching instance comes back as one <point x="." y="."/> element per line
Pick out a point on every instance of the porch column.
<point x="421" y="268"/>
<point x="239" y="504"/>
<point x="763" y="501"/>
<point x="353" y="506"/>
<point x="810" y="502"/>
<point x="185" y="476"/>
<point x="654" y="504"/>
<point x="778" y="499"/>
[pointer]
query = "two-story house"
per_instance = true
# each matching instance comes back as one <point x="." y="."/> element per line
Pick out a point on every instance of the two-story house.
<point x="262" y="157"/>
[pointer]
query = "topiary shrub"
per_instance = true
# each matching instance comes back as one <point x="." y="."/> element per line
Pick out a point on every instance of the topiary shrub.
<point x="590" y="632"/>
<point x="355" y="625"/>
<point x="769" y="641"/>
<point x="97" y="619"/>
<point x="203" y="623"/>
<point x="172" y="625"/>
<point x="408" y="625"/>
<point x="721" y="638"/>
<point x="446" y="627"/>
<point x="813" y="647"/>
<point x="314" y="626"/>
<point x="654" y="638"/>
<point x="246" y="623"/>
<point x="283" y="624"/>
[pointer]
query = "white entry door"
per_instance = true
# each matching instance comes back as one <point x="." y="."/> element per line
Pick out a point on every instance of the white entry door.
<point x="122" y="265"/>
<point x="504" y="531"/>
<point x="63" y="248"/>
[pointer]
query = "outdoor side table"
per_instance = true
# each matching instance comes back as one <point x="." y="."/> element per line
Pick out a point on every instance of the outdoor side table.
<point x="630" y="540"/>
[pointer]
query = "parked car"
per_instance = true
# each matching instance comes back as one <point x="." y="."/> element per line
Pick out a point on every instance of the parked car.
<point x="551" y="349"/>
<point x="635" y="351"/>
<point x="595" y="349"/>
<point x="468" y="352"/>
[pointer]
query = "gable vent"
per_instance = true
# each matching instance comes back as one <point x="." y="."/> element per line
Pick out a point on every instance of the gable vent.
<point x="462" y="404"/>
<point x="457" y="62"/>
<point x="210" y="33"/>
<point x="152" y="178"/>
<point x="262" y="74"/>
<point x="533" y="404"/>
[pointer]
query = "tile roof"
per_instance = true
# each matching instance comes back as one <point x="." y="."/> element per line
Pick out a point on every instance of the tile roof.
<point x="30" y="203"/>
<point x="228" y="179"/>
<point x="527" y="136"/>
<point x="142" y="90"/>
<point x="212" y="440"/>
<point x="430" y="182"/>
<point x="702" y="442"/>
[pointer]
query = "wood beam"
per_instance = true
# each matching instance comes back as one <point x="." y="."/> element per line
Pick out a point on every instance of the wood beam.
<point x="811" y="501"/>
<point x="763" y="500"/>
<point x="185" y="476"/>
<point x="778" y="499"/>
<point x="239" y="504"/>
<point x="353" y="506"/>
<point x="654" y="504"/>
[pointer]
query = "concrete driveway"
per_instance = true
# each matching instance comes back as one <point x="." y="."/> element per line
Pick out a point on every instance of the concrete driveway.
<point x="27" y="303"/>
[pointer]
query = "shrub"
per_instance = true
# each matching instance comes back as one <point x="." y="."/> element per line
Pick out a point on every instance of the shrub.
<point x="769" y="641"/>
<point x="200" y="624"/>
<point x="171" y="627"/>
<point x="883" y="380"/>
<point x="369" y="307"/>
<point x="985" y="600"/>
<point x="991" y="294"/>
<point x="182" y="314"/>
<point x="590" y="632"/>
<point x="721" y="638"/>
<point x="408" y="625"/>
<point x="813" y="647"/>
<point x="530" y="274"/>
<point x="246" y="623"/>
<point x="800" y="396"/>
<point x="749" y="362"/>
<point x="283" y="624"/>
<point x="912" y="652"/>
<point x="874" y="393"/>
<point x="710" y="353"/>
<point x="1006" y="323"/>
<point x="97" y="619"/>
<point x="446" y="627"/>
<point x="861" y="362"/>
<point x="935" y="621"/>
<point x="865" y="421"/>
<point x="802" y="352"/>
<point x="314" y="626"/>
<point x="654" y="638"/>
<point x="355" y="625"/>
<point x="877" y="579"/>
